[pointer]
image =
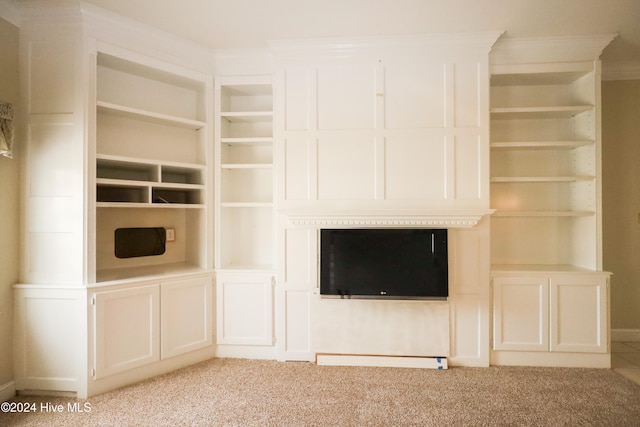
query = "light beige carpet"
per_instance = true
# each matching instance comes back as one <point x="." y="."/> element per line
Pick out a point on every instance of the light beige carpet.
<point x="234" y="392"/>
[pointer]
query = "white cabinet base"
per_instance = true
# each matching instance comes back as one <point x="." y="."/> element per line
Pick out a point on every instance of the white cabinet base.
<point x="551" y="318"/>
<point x="48" y="329"/>
<point x="552" y="359"/>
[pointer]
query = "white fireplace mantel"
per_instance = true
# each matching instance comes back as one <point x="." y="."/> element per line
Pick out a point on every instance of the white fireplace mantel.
<point x="450" y="218"/>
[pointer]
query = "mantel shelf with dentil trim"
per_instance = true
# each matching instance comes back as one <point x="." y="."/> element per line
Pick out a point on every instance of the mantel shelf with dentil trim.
<point x="447" y="218"/>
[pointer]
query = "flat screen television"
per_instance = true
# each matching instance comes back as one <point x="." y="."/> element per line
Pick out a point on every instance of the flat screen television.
<point x="384" y="263"/>
<point x="139" y="242"/>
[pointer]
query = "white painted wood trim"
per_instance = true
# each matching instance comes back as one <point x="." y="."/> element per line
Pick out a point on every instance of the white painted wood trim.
<point x="517" y="50"/>
<point x="625" y="335"/>
<point x="551" y="359"/>
<point x="333" y="46"/>
<point x="7" y="391"/>
<point x="387" y="218"/>
<point x="381" y="361"/>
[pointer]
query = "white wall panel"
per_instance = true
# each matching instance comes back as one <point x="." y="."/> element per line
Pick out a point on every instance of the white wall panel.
<point x="297" y="324"/>
<point x="377" y="327"/>
<point x="469" y="326"/>
<point x="467" y="167"/>
<point x="415" y="166"/>
<point x="298" y="252"/>
<point x="467" y="94"/>
<point x="54" y="257"/>
<point x="346" y="166"/>
<point x="295" y="293"/>
<point x="55" y="162"/>
<point x="299" y="88"/>
<point x="414" y="94"/>
<point x="346" y="97"/>
<point x="465" y="266"/>
<point x="297" y="168"/>
<point x="52" y="77"/>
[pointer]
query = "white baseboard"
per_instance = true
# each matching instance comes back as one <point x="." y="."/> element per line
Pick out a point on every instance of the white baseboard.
<point x="381" y="361"/>
<point x="625" y="335"/>
<point x="7" y="391"/>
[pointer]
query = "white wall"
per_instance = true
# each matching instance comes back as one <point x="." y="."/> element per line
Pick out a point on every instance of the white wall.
<point x="9" y="201"/>
<point x="621" y="199"/>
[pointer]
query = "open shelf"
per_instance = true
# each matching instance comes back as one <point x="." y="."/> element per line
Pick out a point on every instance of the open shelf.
<point x="539" y="145"/>
<point x="150" y="116"/>
<point x="525" y="179"/>
<point x="543" y="166"/>
<point x="508" y="113"/>
<point x="540" y="214"/>
<point x="244" y="175"/>
<point x="144" y="272"/>
<point x="538" y="268"/>
<point x="142" y="183"/>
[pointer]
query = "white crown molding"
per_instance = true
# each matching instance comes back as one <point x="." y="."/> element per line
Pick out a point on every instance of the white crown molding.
<point x="521" y="50"/>
<point x="621" y="71"/>
<point x="455" y="218"/>
<point x="126" y="33"/>
<point x="343" y="47"/>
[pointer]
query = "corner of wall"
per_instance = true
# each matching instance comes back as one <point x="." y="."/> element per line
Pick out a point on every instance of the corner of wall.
<point x="9" y="210"/>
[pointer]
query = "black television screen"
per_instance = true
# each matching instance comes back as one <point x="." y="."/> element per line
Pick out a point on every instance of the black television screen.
<point x="384" y="263"/>
<point x="139" y="241"/>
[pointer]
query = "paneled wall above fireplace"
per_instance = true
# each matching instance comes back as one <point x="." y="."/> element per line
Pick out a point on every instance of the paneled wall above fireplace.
<point x="399" y="122"/>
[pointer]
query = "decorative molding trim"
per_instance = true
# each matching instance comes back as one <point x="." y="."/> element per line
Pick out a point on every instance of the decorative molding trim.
<point x="625" y="335"/>
<point x="404" y="218"/>
<point x="522" y="50"/>
<point x="126" y="33"/>
<point x="621" y="71"/>
<point x="7" y="391"/>
<point x="348" y="46"/>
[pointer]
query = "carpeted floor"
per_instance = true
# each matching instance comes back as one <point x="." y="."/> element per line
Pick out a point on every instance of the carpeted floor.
<point x="236" y="392"/>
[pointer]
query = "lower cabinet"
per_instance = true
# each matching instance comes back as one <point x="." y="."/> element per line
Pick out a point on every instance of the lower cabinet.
<point x="186" y="320"/>
<point x="144" y="323"/>
<point x="551" y="313"/>
<point x="126" y="328"/>
<point x="244" y="303"/>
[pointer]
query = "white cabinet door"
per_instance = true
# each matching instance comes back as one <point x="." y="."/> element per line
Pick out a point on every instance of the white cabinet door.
<point x="126" y="329"/>
<point x="520" y="313"/>
<point x="579" y="314"/>
<point x="244" y="308"/>
<point x="186" y="321"/>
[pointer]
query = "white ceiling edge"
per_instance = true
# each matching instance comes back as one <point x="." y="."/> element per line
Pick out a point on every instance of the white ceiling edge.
<point x="10" y="12"/>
